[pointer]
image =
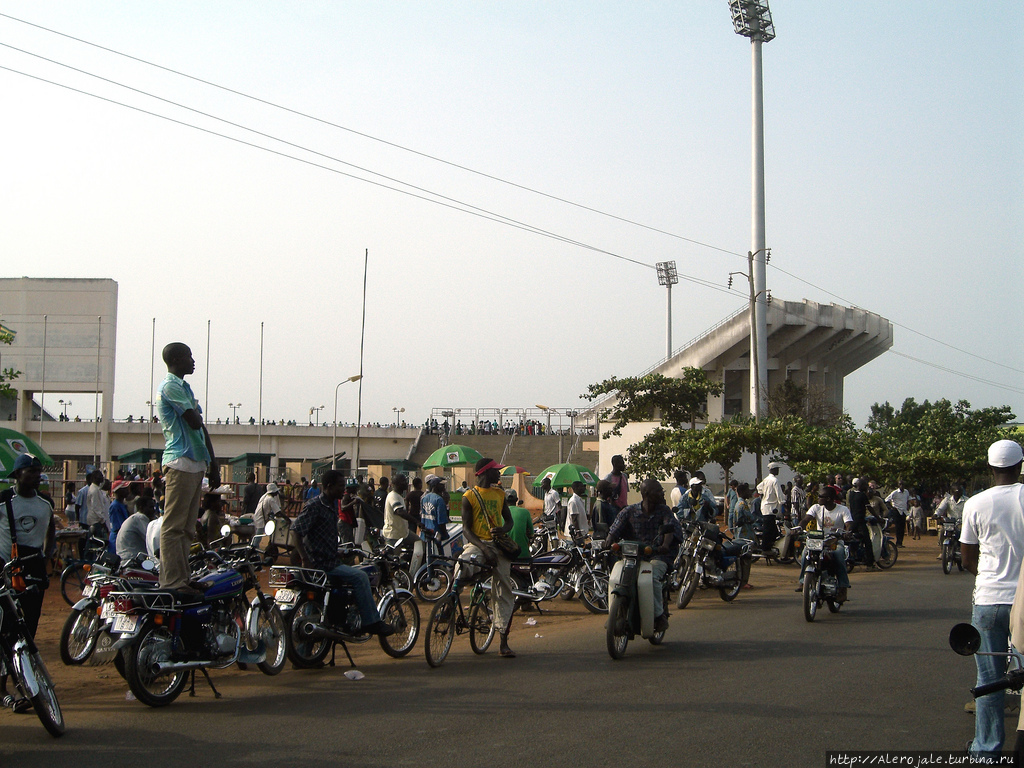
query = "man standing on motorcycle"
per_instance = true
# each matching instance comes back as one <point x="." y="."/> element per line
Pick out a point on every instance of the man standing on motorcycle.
<point x="830" y="517"/>
<point x="992" y="547"/>
<point x="772" y="499"/>
<point x="857" y="502"/>
<point x="482" y="508"/>
<point x="316" y="531"/>
<point x="649" y="522"/>
<point x="950" y="508"/>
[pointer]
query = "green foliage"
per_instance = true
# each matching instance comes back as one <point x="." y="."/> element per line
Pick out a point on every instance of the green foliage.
<point x="656" y="397"/>
<point x="7" y="374"/>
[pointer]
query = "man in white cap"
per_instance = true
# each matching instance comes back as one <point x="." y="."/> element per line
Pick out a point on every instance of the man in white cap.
<point x="992" y="547"/>
<point x="772" y="498"/>
<point x="267" y="508"/>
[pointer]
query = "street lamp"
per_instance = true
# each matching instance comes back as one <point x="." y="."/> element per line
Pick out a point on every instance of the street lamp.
<point x="398" y="414"/>
<point x="668" y="277"/>
<point x="234" y="411"/>
<point x="316" y="409"/>
<point x="334" y="438"/>
<point x="65" y="404"/>
<point x="753" y="19"/>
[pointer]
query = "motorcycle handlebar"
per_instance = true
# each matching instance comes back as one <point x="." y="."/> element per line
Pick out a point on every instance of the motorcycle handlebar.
<point x="1013" y="679"/>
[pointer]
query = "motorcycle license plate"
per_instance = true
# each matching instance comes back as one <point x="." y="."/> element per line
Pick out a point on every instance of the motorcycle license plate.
<point x="286" y="596"/>
<point x="89" y="590"/>
<point x="815" y="545"/>
<point x="698" y="568"/>
<point x="125" y="622"/>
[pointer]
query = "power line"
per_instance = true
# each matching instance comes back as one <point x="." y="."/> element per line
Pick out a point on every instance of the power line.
<point x="1016" y="390"/>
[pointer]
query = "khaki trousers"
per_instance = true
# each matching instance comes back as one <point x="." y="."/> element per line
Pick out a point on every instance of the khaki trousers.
<point x="182" y="496"/>
<point x="502" y="599"/>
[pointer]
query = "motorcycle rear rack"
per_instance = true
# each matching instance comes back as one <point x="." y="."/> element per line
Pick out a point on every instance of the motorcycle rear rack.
<point x="312" y="576"/>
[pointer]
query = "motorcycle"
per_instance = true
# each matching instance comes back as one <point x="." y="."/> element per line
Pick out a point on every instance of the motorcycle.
<point x="541" y="577"/>
<point x="965" y="640"/>
<point x="19" y="656"/>
<point x="163" y="637"/>
<point x="631" y="599"/>
<point x="951" y="546"/>
<point x="90" y="616"/>
<point x="788" y="547"/>
<point x="545" y="536"/>
<point x="709" y="560"/>
<point x="883" y="546"/>
<point x="586" y="575"/>
<point x="820" y="582"/>
<point x="320" y="615"/>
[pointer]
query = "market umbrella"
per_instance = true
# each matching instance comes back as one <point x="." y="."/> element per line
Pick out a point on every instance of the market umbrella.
<point x="452" y="456"/>
<point x="13" y="444"/>
<point x="511" y="470"/>
<point x="564" y="475"/>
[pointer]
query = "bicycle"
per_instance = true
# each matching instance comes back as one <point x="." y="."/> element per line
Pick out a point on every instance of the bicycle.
<point x="75" y="576"/>
<point x="433" y="580"/>
<point x="449" y="618"/>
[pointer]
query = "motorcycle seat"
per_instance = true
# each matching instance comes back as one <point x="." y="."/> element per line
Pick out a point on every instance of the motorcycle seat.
<point x="731" y="548"/>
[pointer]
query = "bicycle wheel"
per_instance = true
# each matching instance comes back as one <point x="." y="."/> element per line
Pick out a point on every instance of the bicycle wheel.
<point x="72" y="582"/>
<point x="433" y="582"/>
<point x="401" y="613"/>
<point x="441" y="630"/>
<point x="78" y="636"/>
<point x="45" y="701"/>
<point x="481" y="625"/>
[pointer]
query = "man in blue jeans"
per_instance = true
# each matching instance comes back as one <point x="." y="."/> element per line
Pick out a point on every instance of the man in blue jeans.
<point x="992" y="547"/>
<point x="316" y="529"/>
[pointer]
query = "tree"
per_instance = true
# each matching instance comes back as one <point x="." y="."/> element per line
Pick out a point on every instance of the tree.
<point x="7" y="374"/>
<point x="655" y="397"/>
<point x="810" y="403"/>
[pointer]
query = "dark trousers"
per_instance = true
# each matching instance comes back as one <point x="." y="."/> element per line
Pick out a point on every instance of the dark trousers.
<point x="769" y="531"/>
<point x="861" y="529"/>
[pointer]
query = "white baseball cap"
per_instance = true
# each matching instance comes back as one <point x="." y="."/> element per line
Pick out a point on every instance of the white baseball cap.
<point x="1004" y="453"/>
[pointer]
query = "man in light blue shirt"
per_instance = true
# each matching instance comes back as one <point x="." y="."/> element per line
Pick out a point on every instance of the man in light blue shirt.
<point x="188" y="454"/>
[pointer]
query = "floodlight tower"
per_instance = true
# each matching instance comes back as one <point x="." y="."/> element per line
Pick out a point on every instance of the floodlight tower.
<point x="753" y="19"/>
<point x="668" y="276"/>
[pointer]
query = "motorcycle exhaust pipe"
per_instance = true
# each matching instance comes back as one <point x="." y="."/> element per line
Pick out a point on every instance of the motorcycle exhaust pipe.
<point x="316" y="631"/>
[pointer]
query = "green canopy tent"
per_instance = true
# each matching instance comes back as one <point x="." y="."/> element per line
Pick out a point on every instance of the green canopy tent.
<point x="13" y="444"/>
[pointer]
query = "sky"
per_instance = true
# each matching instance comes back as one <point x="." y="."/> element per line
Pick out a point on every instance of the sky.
<point x="894" y="182"/>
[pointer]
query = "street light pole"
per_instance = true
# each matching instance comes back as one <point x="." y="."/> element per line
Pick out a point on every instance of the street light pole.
<point x="334" y="438"/>
<point x="668" y="276"/>
<point x="753" y="19"/>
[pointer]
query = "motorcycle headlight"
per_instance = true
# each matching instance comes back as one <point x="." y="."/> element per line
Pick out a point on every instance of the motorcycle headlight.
<point x="630" y="548"/>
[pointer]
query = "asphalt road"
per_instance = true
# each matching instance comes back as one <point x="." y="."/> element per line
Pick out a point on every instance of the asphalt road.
<point x="746" y="683"/>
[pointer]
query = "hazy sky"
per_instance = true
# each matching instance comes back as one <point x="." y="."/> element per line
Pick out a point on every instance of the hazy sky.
<point x="895" y="182"/>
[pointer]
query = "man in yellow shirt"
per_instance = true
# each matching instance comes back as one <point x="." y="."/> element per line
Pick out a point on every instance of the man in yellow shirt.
<point x="485" y="512"/>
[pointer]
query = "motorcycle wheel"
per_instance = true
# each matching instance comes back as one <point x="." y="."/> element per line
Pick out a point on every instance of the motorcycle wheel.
<point x="402" y="579"/>
<point x="833" y="604"/>
<point x="481" y="626"/>
<point x="304" y="651"/>
<point x="273" y="631"/>
<point x="730" y="593"/>
<point x="889" y="555"/>
<point x="119" y="664"/>
<point x="689" y="584"/>
<point x="401" y="613"/>
<point x="441" y="630"/>
<point x="810" y="595"/>
<point x="617" y="632"/>
<point x="72" y="583"/>
<point x="45" y="701"/>
<point x="947" y="559"/>
<point x="432" y="583"/>
<point x="78" y="636"/>
<point x="152" y="689"/>
<point x="594" y="592"/>
<point x="960" y="565"/>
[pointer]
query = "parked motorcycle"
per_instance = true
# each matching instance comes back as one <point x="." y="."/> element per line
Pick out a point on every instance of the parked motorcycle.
<point x="951" y="546"/>
<point x="710" y="560"/>
<point x="788" y="547"/>
<point x="545" y="535"/>
<point x="587" y="574"/>
<point x="19" y="656"/>
<point x="820" y="582"/>
<point x="91" y="615"/>
<point x="164" y="637"/>
<point x="883" y="545"/>
<point x="631" y="599"/>
<point x="320" y="615"/>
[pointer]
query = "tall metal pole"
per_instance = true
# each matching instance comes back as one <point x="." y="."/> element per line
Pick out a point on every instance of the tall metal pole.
<point x="152" y="375"/>
<point x="362" y="339"/>
<point x="206" y="397"/>
<point x="96" y="414"/>
<point x="757" y="227"/>
<point x="42" y="388"/>
<point x="668" y="329"/>
<point x="259" y="414"/>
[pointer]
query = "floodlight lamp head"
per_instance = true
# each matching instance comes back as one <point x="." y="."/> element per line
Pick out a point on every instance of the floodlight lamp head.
<point x="753" y="19"/>
<point x="667" y="274"/>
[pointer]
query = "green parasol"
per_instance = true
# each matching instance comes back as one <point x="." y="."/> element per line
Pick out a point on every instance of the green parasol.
<point x="452" y="456"/>
<point x="13" y="444"/>
<point x="564" y="475"/>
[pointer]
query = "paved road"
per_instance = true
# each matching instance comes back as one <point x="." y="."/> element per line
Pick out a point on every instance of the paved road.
<point x="747" y="683"/>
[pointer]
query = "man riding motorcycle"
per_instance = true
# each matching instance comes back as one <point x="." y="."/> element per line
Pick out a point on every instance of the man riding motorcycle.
<point x="831" y="517"/>
<point x="651" y="523"/>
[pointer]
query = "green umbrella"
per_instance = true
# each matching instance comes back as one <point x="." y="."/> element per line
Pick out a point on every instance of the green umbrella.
<point x="13" y="444"/>
<point x="452" y="456"/>
<point x="564" y="475"/>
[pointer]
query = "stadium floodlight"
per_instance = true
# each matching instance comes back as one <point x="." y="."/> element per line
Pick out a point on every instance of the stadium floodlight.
<point x="753" y="19"/>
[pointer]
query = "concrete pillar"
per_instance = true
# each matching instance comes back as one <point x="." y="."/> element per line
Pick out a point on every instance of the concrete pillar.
<point x="716" y="405"/>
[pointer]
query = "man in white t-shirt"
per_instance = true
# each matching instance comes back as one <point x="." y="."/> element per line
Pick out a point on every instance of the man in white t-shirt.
<point x="552" y="499"/>
<point x="992" y="547"/>
<point x="267" y="508"/>
<point x="831" y="517"/>
<point x="396" y="515"/>
<point x="576" y="515"/>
